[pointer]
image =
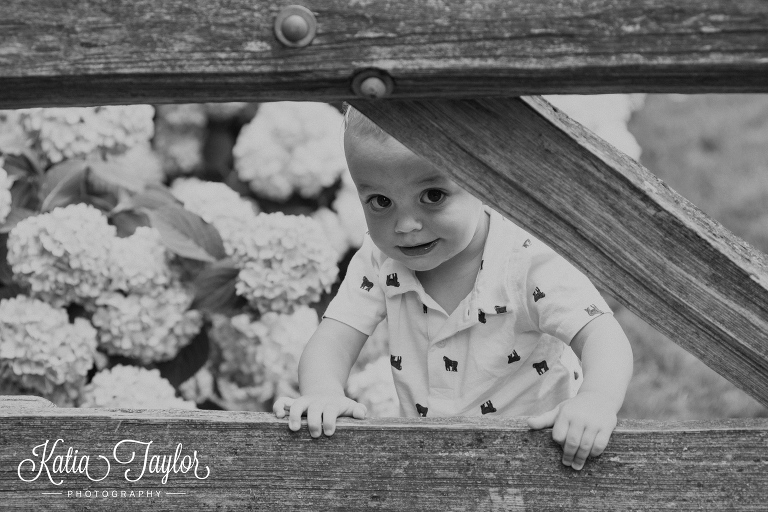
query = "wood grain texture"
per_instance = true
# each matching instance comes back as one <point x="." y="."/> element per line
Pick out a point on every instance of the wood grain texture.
<point x="632" y="235"/>
<point x="98" y="52"/>
<point x="256" y="463"/>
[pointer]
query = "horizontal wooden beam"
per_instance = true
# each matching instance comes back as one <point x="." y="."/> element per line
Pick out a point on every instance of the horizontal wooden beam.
<point x="93" y="52"/>
<point x="254" y="462"/>
<point x="635" y="237"/>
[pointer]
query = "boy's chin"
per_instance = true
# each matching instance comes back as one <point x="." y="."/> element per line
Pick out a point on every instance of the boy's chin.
<point x="420" y="264"/>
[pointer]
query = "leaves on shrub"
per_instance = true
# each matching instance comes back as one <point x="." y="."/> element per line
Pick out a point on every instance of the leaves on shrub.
<point x="63" y="184"/>
<point x="16" y="215"/>
<point x="189" y="359"/>
<point x="215" y="289"/>
<point x="127" y="221"/>
<point x="21" y="166"/>
<point x="186" y="234"/>
<point x="112" y="176"/>
<point x="153" y="197"/>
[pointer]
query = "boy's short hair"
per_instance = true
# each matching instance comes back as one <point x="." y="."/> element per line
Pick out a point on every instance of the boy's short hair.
<point x="360" y="126"/>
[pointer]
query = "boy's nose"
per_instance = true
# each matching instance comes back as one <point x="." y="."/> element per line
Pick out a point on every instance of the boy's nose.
<point x="406" y="224"/>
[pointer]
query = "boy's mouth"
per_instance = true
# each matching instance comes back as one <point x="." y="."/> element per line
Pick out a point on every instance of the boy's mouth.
<point x="417" y="250"/>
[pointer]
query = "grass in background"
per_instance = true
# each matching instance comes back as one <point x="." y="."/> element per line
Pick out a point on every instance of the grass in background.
<point x="713" y="150"/>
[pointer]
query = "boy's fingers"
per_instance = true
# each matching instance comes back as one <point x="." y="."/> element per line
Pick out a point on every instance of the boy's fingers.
<point x="560" y="431"/>
<point x="585" y="448"/>
<point x="315" y="420"/>
<point x="282" y="406"/>
<point x="543" y="420"/>
<point x="294" y="416"/>
<point x="572" y="444"/>
<point x="601" y="441"/>
<point x="359" y="411"/>
<point x="330" y="413"/>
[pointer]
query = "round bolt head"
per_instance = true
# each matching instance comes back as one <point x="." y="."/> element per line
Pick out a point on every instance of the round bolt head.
<point x="295" y="26"/>
<point x="372" y="83"/>
<point x="373" y="87"/>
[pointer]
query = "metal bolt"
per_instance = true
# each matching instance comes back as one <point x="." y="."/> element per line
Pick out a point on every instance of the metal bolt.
<point x="372" y="83"/>
<point x="295" y="26"/>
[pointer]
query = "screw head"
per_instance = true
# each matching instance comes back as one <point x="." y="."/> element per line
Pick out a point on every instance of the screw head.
<point x="295" y="26"/>
<point x="372" y="83"/>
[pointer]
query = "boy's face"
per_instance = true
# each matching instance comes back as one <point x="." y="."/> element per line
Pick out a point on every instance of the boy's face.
<point x="415" y="214"/>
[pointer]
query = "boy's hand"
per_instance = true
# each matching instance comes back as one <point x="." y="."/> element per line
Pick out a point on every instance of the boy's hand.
<point x="321" y="411"/>
<point x="582" y="425"/>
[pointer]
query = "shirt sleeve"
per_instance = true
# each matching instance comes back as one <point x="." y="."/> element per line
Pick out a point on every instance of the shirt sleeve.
<point x="360" y="302"/>
<point x="559" y="298"/>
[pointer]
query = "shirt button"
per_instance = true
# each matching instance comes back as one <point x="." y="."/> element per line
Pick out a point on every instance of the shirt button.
<point x="440" y="344"/>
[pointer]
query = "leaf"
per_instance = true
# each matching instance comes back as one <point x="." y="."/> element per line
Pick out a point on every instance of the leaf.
<point x="186" y="234"/>
<point x="25" y="194"/>
<point x="112" y="175"/>
<point x="21" y="166"/>
<point x="63" y="184"/>
<point x="215" y="289"/>
<point x="127" y="221"/>
<point x="16" y="215"/>
<point x="155" y="196"/>
<point x="189" y="359"/>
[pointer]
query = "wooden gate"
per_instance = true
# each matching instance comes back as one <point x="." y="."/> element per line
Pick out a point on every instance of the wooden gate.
<point x="453" y="81"/>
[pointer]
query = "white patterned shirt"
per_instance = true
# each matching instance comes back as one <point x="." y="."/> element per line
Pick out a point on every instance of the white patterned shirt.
<point x="504" y="351"/>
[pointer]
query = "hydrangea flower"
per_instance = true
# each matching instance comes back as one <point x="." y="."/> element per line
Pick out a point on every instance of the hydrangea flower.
<point x="199" y="387"/>
<point x="131" y="387"/>
<point x="5" y="193"/>
<point x="374" y="387"/>
<point x="63" y="255"/>
<point x="179" y="137"/>
<point x="139" y="263"/>
<point x="333" y="230"/>
<point x="284" y="261"/>
<point x="216" y="203"/>
<point x="290" y="147"/>
<point x="347" y="205"/>
<point x="149" y="327"/>
<point x="259" y="359"/>
<point x="62" y="133"/>
<point x="42" y="351"/>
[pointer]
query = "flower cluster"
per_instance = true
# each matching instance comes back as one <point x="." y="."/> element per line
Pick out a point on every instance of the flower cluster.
<point x="216" y="203"/>
<point x="5" y="193"/>
<point x="149" y="327"/>
<point x="131" y="387"/>
<point x="179" y="137"/>
<point x="139" y="263"/>
<point x="42" y="351"/>
<point x="259" y="359"/>
<point x="350" y="211"/>
<point x="374" y="387"/>
<point x="284" y="261"/>
<point x="62" y="133"/>
<point x="290" y="147"/>
<point x="63" y="256"/>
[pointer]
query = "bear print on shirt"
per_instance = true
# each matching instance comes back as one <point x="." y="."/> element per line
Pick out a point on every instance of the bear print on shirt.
<point x="593" y="310"/>
<point x="538" y="295"/>
<point x="450" y="365"/>
<point x="487" y="407"/>
<point x="513" y="357"/>
<point x="500" y="309"/>
<point x="367" y="285"/>
<point x="392" y="280"/>
<point x="422" y="410"/>
<point x="541" y="367"/>
<point x="395" y="362"/>
<point x="481" y="316"/>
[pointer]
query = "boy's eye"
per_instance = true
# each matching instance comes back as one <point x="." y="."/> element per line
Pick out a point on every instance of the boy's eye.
<point x="379" y="202"/>
<point x="433" y="196"/>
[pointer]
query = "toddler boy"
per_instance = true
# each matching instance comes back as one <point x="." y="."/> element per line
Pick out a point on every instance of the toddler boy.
<point x="483" y="318"/>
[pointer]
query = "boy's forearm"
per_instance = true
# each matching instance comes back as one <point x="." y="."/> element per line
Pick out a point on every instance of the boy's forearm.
<point x="328" y="358"/>
<point x="606" y="359"/>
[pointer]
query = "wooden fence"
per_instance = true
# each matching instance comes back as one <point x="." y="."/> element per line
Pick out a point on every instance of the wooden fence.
<point x="452" y="71"/>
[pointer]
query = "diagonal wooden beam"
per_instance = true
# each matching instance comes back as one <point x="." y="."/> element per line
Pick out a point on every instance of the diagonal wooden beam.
<point x="251" y="461"/>
<point x="645" y="244"/>
<point x="93" y="52"/>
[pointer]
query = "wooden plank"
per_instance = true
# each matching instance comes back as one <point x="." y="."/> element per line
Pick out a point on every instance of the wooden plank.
<point x="646" y="245"/>
<point x="93" y="52"/>
<point x="256" y="463"/>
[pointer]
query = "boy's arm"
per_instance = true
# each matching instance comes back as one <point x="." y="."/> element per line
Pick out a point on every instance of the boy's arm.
<point x="583" y="424"/>
<point x="323" y="371"/>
